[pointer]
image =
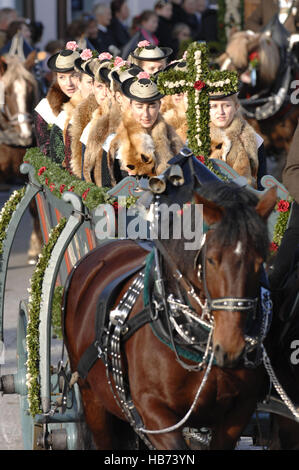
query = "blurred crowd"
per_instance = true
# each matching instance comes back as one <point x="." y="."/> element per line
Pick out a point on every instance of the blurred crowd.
<point x="110" y="27"/>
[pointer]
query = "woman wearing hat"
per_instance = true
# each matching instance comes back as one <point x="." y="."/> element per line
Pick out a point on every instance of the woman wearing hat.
<point x="144" y="142"/>
<point x="85" y="88"/>
<point x="174" y="107"/>
<point x="62" y="89"/>
<point x="89" y="111"/>
<point x="104" y="127"/>
<point x="234" y="140"/>
<point x="151" y="58"/>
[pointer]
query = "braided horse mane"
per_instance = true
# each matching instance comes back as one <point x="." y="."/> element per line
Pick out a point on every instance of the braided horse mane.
<point x="242" y="44"/>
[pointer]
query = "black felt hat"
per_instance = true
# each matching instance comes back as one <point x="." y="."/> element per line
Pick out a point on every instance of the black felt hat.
<point x="151" y="53"/>
<point x="63" y="61"/>
<point x="143" y="90"/>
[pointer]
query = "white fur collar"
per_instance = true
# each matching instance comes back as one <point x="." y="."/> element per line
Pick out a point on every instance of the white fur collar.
<point x="85" y="134"/>
<point x="45" y="111"/>
<point x="106" y="144"/>
<point x="60" y="120"/>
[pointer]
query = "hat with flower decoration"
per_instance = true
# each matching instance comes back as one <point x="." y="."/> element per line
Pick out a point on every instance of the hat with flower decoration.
<point x="64" y="60"/>
<point x="141" y="88"/>
<point x="147" y="51"/>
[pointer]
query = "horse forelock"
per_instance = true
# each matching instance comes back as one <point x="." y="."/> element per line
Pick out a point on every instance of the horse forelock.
<point x="240" y="222"/>
<point x="16" y="69"/>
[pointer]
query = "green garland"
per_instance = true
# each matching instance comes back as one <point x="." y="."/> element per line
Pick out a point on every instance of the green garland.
<point x="32" y="337"/>
<point x="56" y="312"/>
<point x="6" y="213"/>
<point x="58" y="180"/>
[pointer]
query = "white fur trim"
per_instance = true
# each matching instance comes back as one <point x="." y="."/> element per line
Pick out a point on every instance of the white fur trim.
<point x="60" y="120"/>
<point x="85" y="134"/>
<point x="227" y="145"/>
<point x="259" y="140"/>
<point x="148" y="145"/>
<point x="45" y="111"/>
<point x="106" y="144"/>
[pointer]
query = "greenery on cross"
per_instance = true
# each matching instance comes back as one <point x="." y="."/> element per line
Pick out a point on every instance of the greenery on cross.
<point x="198" y="81"/>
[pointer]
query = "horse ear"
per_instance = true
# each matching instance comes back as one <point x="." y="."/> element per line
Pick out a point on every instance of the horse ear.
<point x="212" y="213"/>
<point x="30" y="61"/>
<point x="267" y="203"/>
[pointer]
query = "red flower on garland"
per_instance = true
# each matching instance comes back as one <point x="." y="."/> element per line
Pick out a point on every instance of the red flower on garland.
<point x="84" y="195"/>
<point x="201" y="158"/>
<point x="52" y="186"/>
<point x="254" y="56"/>
<point x="283" y="206"/>
<point x="41" y="170"/>
<point x="273" y="246"/>
<point x="61" y="189"/>
<point x="116" y="207"/>
<point x="72" y="189"/>
<point x="47" y="181"/>
<point x="199" y="85"/>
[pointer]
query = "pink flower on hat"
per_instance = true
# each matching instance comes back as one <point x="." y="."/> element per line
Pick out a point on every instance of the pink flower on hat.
<point x="105" y="55"/>
<point x="71" y="46"/>
<point x="119" y="62"/>
<point x="143" y="75"/>
<point x="143" y="43"/>
<point x="86" y="54"/>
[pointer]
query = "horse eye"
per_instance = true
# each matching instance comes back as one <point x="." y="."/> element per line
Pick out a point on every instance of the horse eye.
<point x="144" y="158"/>
<point x="131" y="167"/>
<point x="210" y="260"/>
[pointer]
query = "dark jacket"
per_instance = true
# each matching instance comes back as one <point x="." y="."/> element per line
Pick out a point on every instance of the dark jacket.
<point x="208" y="26"/>
<point x="290" y="175"/>
<point x="265" y="11"/>
<point x="164" y="33"/>
<point x="119" y="32"/>
<point x="103" y="41"/>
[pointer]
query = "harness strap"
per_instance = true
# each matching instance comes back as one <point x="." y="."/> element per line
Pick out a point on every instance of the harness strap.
<point x="135" y="323"/>
<point x="105" y="304"/>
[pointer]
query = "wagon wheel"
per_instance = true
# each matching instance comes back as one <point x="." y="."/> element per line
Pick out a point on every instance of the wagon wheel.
<point x="30" y="430"/>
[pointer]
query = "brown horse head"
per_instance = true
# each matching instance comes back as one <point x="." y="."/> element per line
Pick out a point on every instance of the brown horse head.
<point x="225" y="271"/>
<point x="235" y="250"/>
<point x="18" y="97"/>
<point x="239" y="52"/>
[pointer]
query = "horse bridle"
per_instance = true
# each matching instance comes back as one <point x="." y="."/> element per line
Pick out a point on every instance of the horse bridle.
<point x="17" y="118"/>
<point x="243" y="304"/>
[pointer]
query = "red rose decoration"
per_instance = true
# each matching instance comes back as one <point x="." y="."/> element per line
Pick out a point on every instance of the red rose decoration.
<point x="41" y="170"/>
<point x="84" y="195"/>
<point x="52" y="186"/>
<point x="72" y="189"/>
<point x="273" y="246"/>
<point x="61" y="189"/>
<point x="253" y="56"/>
<point x="199" y="85"/>
<point x="47" y="181"/>
<point x="201" y="158"/>
<point x="283" y="206"/>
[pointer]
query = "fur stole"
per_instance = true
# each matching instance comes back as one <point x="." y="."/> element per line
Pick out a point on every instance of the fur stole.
<point x="144" y="152"/>
<point x="237" y="146"/>
<point x="69" y="109"/>
<point x="103" y="124"/>
<point x="81" y="117"/>
<point x="178" y="121"/>
<point x="56" y="98"/>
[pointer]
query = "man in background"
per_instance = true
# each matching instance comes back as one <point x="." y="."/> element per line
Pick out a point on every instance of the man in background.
<point x="7" y="16"/>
